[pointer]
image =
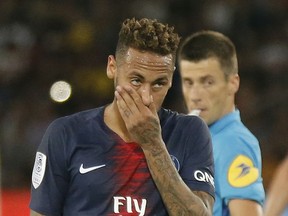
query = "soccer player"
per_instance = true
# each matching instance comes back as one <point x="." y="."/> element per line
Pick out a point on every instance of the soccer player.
<point x="129" y="157"/>
<point x="209" y="75"/>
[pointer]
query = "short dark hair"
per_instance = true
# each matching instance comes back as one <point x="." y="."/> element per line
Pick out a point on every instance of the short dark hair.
<point x="147" y="35"/>
<point x="208" y="44"/>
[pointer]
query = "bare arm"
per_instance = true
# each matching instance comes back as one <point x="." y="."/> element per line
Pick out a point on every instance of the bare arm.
<point x="277" y="196"/>
<point x="143" y="124"/>
<point x="238" y="207"/>
<point x="178" y="198"/>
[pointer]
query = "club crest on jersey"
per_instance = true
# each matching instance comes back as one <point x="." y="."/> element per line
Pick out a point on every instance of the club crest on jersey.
<point x="38" y="169"/>
<point x="242" y="172"/>
<point x="176" y="162"/>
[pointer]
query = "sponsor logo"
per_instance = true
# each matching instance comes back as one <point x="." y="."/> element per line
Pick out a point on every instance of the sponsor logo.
<point x="83" y="170"/>
<point x="38" y="169"/>
<point x="203" y="176"/>
<point x="242" y="172"/>
<point x="176" y="162"/>
<point x="129" y="205"/>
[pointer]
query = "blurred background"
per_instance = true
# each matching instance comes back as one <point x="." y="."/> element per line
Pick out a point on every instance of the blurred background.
<point x="43" y="42"/>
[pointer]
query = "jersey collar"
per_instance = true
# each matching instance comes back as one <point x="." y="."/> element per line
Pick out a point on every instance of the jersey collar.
<point x="224" y="121"/>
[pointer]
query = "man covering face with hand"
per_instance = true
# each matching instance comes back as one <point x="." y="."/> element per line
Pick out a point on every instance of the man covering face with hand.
<point x="129" y="157"/>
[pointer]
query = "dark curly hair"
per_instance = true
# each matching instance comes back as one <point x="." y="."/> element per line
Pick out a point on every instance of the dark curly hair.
<point x="147" y="35"/>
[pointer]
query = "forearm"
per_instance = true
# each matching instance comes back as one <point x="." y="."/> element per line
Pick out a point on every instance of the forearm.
<point x="240" y="207"/>
<point x="277" y="197"/>
<point x="143" y="124"/>
<point x="177" y="196"/>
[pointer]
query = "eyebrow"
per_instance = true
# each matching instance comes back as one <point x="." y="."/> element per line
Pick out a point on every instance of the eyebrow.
<point x="135" y="73"/>
<point x="206" y="77"/>
<point x="202" y="78"/>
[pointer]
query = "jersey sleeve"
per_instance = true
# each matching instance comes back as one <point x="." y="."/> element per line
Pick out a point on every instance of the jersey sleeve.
<point x="238" y="169"/>
<point x="50" y="178"/>
<point x="198" y="166"/>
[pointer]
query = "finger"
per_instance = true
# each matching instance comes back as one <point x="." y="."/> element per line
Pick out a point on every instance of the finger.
<point x="144" y="98"/>
<point x="123" y="96"/>
<point x="125" y="102"/>
<point x="122" y="106"/>
<point x="136" y="101"/>
<point x="124" y="112"/>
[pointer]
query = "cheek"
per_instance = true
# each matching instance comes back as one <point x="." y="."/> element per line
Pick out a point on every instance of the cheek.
<point x="120" y="80"/>
<point x="216" y="93"/>
<point x="217" y="101"/>
<point x="116" y="82"/>
<point x="185" y="92"/>
<point x="159" y="97"/>
<point x="186" y="95"/>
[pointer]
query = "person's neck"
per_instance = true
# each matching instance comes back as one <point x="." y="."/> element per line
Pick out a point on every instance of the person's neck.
<point x="114" y="121"/>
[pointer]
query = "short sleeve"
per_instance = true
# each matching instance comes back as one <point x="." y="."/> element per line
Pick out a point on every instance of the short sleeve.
<point x="238" y="169"/>
<point x="49" y="177"/>
<point x="198" y="166"/>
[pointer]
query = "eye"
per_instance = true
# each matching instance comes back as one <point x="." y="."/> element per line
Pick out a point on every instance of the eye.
<point x="187" y="83"/>
<point x="208" y="82"/>
<point x="136" y="81"/>
<point x="159" y="84"/>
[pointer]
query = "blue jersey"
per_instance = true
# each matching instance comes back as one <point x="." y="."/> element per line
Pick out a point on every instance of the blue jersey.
<point x="84" y="168"/>
<point x="238" y="166"/>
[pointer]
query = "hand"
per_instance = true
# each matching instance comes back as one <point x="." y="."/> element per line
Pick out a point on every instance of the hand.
<point x="139" y="114"/>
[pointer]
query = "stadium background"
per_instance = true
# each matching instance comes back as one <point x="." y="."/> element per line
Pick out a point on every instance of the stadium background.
<point x="42" y="42"/>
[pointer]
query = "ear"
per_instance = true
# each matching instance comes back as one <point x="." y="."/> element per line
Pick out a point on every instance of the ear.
<point x="111" y="67"/>
<point x="234" y="82"/>
<point x="171" y="81"/>
<point x="172" y="76"/>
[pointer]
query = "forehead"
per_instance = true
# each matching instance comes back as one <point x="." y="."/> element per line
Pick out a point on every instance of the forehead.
<point x="145" y="59"/>
<point x="206" y="67"/>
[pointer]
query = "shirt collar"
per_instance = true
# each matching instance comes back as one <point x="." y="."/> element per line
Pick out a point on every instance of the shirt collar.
<point x="224" y="121"/>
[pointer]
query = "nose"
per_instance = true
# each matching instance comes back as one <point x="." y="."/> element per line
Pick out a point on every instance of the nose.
<point x="195" y="94"/>
<point x="145" y="92"/>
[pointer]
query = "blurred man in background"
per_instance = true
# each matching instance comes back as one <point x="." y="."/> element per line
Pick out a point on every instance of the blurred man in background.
<point x="210" y="80"/>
